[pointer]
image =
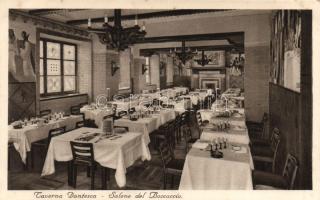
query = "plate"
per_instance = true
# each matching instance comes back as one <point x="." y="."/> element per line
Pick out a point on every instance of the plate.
<point x="236" y="148"/>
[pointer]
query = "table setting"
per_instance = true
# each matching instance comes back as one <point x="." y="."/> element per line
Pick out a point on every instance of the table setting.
<point x="116" y="151"/>
<point x="232" y="164"/>
<point x="26" y="131"/>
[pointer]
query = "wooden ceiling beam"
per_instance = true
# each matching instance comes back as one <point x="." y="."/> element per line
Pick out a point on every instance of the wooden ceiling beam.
<point x="145" y="15"/>
<point x="196" y="37"/>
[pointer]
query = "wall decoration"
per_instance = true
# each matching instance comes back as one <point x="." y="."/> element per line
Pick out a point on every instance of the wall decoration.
<point x="22" y="101"/>
<point x="210" y="59"/>
<point x="235" y="61"/>
<point x="21" y="58"/>
<point x="114" y="67"/>
<point x="285" y="49"/>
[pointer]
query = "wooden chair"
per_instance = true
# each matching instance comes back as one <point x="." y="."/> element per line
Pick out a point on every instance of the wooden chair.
<point x="257" y="130"/>
<point x="83" y="104"/>
<point x="132" y="110"/>
<point x="201" y="125"/>
<point x="177" y="128"/>
<point x="75" y="110"/>
<point x="83" y="154"/>
<point x="267" y="154"/>
<point x="44" y="144"/>
<point x="166" y="131"/>
<point x="170" y="165"/>
<point x="10" y="147"/>
<point x="120" y="114"/>
<point x="45" y="112"/>
<point x="80" y="124"/>
<point x="156" y="102"/>
<point x="265" y="180"/>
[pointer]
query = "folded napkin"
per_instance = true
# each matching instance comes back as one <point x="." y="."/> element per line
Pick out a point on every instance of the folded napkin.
<point x="200" y="145"/>
<point x="239" y="128"/>
<point x="242" y="150"/>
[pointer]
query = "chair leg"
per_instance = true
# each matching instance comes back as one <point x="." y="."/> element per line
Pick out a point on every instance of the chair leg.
<point x="172" y="180"/>
<point x="92" y="177"/>
<point x="25" y="166"/>
<point x="88" y="171"/>
<point x="32" y="157"/>
<point x="105" y="177"/>
<point x="164" y="180"/>
<point x="9" y="160"/>
<point x="70" y="173"/>
<point x="74" y="175"/>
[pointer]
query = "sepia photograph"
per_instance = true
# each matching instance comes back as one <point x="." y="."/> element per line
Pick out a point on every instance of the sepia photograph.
<point x="155" y="99"/>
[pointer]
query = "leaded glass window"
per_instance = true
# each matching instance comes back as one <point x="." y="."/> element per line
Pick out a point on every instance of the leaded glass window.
<point x="58" y="67"/>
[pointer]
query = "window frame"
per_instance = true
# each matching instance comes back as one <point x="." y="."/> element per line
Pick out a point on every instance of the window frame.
<point x="45" y="58"/>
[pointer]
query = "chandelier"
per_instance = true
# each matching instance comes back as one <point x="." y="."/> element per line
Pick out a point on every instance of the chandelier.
<point x="117" y="37"/>
<point x="185" y="54"/>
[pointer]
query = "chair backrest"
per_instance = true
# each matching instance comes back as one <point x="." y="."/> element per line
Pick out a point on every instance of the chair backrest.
<point x="183" y="117"/>
<point x="108" y="117"/>
<point x="83" y="104"/>
<point x="75" y="110"/>
<point x="82" y="152"/>
<point x="156" y="102"/>
<point x="177" y="121"/>
<point x="45" y="112"/>
<point x="290" y="170"/>
<point x="114" y="108"/>
<point x="55" y="132"/>
<point x="122" y="113"/>
<point x="107" y="125"/>
<point x="274" y="145"/>
<point x="164" y="105"/>
<point x="131" y="110"/>
<point x="165" y="152"/>
<point x="199" y="118"/>
<point x="264" y="118"/>
<point x="79" y="124"/>
<point x="275" y="139"/>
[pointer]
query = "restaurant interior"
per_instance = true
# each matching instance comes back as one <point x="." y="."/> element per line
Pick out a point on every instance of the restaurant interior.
<point x="154" y="99"/>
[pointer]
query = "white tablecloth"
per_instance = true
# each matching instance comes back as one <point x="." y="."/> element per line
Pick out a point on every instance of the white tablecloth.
<point x="170" y="93"/>
<point x="117" y="154"/>
<point x="236" y="121"/>
<point x="125" y="105"/>
<point x="182" y="90"/>
<point x="142" y="125"/>
<point x="95" y="114"/>
<point x="237" y="136"/>
<point x="202" y="172"/>
<point x="231" y="92"/>
<point x="165" y="116"/>
<point x="31" y="133"/>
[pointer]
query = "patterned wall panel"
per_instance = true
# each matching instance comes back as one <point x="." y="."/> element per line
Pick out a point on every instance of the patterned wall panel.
<point x="22" y="101"/>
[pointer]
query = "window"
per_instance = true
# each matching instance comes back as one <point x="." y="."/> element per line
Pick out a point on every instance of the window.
<point x="58" y="67"/>
<point x="148" y="72"/>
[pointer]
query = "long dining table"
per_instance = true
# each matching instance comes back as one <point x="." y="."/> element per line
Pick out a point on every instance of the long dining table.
<point x="231" y="172"/>
<point x="147" y="125"/>
<point x="26" y="135"/>
<point x="119" y="152"/>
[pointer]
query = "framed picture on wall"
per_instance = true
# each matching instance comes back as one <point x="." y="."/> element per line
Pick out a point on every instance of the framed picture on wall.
<point x="210" y="58"/>
<point x="215" y="58"/>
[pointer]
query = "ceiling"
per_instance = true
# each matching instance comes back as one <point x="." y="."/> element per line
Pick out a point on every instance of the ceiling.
<point x="80" y="17"/>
